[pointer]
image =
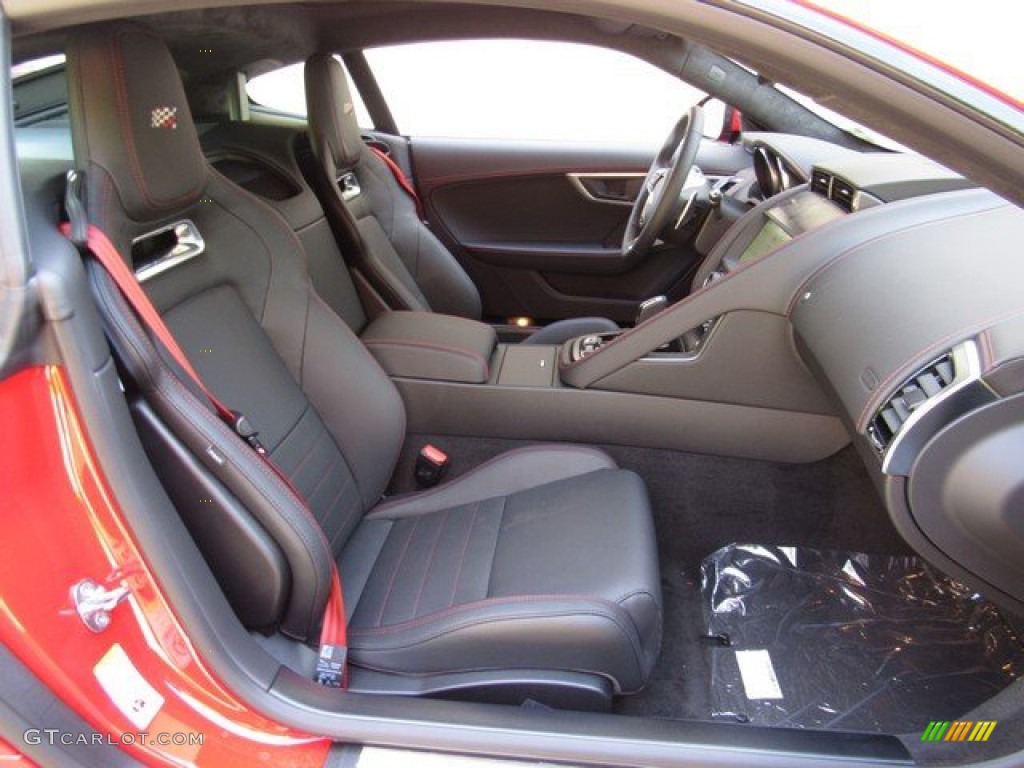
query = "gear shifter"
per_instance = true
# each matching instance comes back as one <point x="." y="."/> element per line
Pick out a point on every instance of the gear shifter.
<point x="584" y="346"/>
<point x="650" y="308"/>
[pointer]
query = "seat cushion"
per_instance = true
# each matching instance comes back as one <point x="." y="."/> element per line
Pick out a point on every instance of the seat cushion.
<point x="542" y="559"/>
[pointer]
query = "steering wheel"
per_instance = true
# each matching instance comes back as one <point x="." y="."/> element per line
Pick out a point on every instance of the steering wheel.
<point x="661" y="199"/>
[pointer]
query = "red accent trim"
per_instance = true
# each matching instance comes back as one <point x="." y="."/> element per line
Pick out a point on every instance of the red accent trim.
<point x="334" y="630"/>
<point x="12" y="758"/>
<point x="62" y="523"/>
<point x="401" y="178"/>
<point x="736" y="122"/>
<point x="107" y="255"/>
<point x="434" y="454"/>
<point x="99" y="245"/>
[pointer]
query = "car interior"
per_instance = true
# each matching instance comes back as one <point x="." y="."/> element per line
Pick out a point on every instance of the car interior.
<point x="724" y="438"/>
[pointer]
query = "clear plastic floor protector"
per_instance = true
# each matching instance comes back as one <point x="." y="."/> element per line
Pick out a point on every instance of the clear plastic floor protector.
<point x="831" y="640"/>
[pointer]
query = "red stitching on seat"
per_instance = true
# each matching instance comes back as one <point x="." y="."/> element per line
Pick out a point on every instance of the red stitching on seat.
<point x="392" y="629"/>
<point x="430" y="561"/>
<point x="394" y="573"/>
<point x="462" y="557"/>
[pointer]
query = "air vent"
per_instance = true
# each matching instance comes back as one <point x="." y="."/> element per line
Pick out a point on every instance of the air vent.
<point x="915" y="392"/>
<point x="926" y="403"/>
<point x="842" y="194"/>
<point x="821" y="183"/>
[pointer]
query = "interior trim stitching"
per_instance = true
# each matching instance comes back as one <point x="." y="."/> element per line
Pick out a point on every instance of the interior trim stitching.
<point x="380" y="509"/>
<point x="596" y="612"/>
<point x="430" y="562"/>
<point x="395" y="570"/>
<point x="830" y="263"/>
<point x="124" y="116"/>
<point x="904" y="368"/>
<point x="202" y="420"/>
<point x="462" y="557"/>
<point x="472" y="356"/>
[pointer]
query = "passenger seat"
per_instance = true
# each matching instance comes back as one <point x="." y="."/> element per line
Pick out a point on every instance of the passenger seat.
<point x="377" y="224"/>
<point x="537" y="569"/>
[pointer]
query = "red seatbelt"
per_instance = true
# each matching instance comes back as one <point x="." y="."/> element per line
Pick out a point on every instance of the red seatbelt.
<point x="331" y="669"/>
<point x="401" y="178"/>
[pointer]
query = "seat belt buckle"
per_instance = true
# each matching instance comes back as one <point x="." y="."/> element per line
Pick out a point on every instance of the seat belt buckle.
<point x="330" y="666"/>
<point x="244" y="429"/>
<point x="431" y="464"/>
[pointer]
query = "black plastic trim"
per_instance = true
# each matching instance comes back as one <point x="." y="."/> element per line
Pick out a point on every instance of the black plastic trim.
<point x="366" y="83"/>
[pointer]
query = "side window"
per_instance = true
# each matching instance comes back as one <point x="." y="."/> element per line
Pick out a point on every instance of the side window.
<point x="284" y="90"/>
<point x="529" y="90"/>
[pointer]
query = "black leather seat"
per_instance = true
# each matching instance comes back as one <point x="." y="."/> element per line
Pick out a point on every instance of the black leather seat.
<point x="377" y="225"/>
<point x="543" y="559"/>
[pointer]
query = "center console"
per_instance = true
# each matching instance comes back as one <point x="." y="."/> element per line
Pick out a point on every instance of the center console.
<point x="456" y="378"/>
<point x="716" y="372"/>
<point x="686" y="346"/>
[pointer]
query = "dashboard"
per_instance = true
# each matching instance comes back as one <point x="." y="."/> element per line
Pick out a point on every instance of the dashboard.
<point x="839" y="182"/>
<point x="917" y="333"/>
<point x="894" y="285"/>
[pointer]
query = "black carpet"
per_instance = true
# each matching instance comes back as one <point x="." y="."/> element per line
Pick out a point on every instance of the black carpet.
<point x="702" y="503"/>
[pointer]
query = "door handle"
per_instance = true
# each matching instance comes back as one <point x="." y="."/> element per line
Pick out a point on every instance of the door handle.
<point x="611" y="188"/>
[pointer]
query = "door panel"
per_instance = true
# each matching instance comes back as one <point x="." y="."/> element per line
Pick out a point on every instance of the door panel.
<point x="538" y="225"/>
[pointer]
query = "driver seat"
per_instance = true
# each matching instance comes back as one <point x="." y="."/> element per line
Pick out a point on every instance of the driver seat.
<point x="377" y="224"/>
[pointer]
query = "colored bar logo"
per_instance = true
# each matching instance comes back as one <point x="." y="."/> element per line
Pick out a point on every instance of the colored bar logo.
<point x="958" y="730"/>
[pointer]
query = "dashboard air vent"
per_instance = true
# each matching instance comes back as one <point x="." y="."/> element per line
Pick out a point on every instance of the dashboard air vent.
<point x="821" y="183"/>
<point x="915" y="392"/>
<point x="842" y="194"/>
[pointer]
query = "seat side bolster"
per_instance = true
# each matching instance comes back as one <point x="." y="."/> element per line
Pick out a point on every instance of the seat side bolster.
<point x="433" y="271"/>
<point x="579" y="633"/>
<point x="513" y="471"/>
<point x="247" y="476"/>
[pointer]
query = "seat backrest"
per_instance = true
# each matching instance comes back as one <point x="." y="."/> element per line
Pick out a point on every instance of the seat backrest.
<point x="271" y="161"/>
<point x="373" y="217"/>
<point x="243" y="310"/>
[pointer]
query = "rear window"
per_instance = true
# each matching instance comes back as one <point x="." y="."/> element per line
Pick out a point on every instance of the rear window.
<point x="40" y="89"/>
<point x="284" y="90"/>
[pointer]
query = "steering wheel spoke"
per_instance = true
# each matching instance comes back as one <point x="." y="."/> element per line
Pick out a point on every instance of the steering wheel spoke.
<point x="661" y="200"/>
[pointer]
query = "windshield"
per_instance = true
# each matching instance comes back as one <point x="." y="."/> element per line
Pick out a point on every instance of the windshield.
<point x="976" y="39"/>
<point x="966" y="54"/>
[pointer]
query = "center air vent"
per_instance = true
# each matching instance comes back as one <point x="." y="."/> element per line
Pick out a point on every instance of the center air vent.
<point x="840" y="192"/>
<point x="925" y="403"/>
<point x="821" y="183"/>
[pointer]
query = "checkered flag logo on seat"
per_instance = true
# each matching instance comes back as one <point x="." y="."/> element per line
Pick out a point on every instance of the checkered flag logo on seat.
<point x="164" y="117"/>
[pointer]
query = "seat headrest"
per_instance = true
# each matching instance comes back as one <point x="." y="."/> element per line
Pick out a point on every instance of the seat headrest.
<point x="332" y="117"/>
<point x="130" y="119"/>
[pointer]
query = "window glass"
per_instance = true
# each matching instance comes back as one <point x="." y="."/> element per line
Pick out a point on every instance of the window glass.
<point x="976" y="38"/>
<point x="36" y="65"/>
<point x="284" y="90"/>
<point x="521" y="89"/>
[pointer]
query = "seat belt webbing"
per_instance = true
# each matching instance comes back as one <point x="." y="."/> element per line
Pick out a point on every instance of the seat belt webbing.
<point x="401" y="178"/>
<point x="331" y="667"/>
